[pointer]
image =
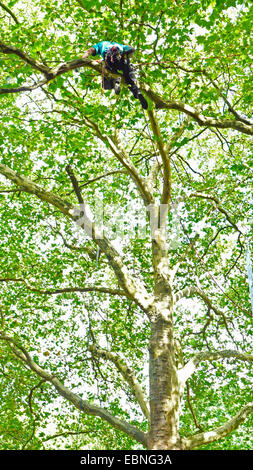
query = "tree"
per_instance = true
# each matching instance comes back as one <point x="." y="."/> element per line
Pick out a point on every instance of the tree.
<point x="146" y="335"/>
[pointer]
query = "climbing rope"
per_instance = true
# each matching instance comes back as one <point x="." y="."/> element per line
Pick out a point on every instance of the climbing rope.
<point x="103" y="79"/>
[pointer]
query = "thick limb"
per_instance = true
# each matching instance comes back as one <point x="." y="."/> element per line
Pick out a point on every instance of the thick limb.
<point x="89" y="52"/>
<point x="88" y="408"/>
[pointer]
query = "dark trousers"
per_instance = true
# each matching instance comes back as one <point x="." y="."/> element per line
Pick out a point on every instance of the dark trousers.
<point x="128" y="74"/>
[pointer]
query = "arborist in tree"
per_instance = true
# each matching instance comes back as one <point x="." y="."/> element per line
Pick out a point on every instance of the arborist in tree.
<point x="116" y="57"/>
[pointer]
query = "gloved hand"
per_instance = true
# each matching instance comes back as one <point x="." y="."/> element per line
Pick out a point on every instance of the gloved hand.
<point x="130" y="51"/>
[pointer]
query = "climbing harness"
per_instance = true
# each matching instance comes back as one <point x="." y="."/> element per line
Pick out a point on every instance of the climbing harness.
<point x="114" y="61"/>
<point x="112" y="57"/>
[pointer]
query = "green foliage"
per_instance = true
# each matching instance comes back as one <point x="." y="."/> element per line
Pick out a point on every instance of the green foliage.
<point x="42" y="132"/>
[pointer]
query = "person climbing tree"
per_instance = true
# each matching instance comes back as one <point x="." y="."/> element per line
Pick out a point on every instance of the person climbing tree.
<point x="116" y="58"/>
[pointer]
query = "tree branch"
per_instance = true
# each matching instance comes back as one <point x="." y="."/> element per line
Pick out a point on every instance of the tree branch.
<point x="195" y="291"/>
<point x="64" y="290"/>
<point x="134" y="288"/>
<point x="218" y="206"/>
<point x="7" y="9"/>
<point x="182" y="258"/>
<point x="160" y="103"/>
<point x="210" y="436"/>
<point x="230" y="107"/>
<point x="127" y="374"/>
<point x="120" y="153"/>
<point x="197" y="424"/>
<point x="68" y="433"/>
<point x="195" y="114"/>
<point x="75" y="399"/>
<point x="75" y="184"/>
<point x="186" y="372"/>
<point x="49" y="73"/>
<point x="80" y="249"/>
<point x="114" y="172"/>
<point x="7" y="49"/>
<point x="201" y="71"/>
<point x="5" y="91"/>
<point x="166" y="194"/>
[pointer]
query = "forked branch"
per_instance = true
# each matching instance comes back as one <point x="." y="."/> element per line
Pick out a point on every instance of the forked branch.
<point x="126" y="373"/>
<point x="188" y="370"/>
<point x="206" y="437"/>
<point x="133" y="288"/>
<point x="159" y="101"/>
<point x="72" y="397"/>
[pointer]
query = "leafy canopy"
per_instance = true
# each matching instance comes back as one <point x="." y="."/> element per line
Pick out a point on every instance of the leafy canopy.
<point x="191" y="52"/>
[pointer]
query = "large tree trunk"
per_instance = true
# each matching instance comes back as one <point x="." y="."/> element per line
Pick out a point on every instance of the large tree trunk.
<point x="164" y="387"/>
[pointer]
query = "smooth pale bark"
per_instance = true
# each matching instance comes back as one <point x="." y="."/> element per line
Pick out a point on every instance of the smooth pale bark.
<point x="166" y="382"/>
<point x="164" y="386"/>
<point x="72" y="397"/>
<point x="214" y="435"/>
<point x="128" y="375"/>
<point x="38" y="290"/>
<point x="132" y="287"/>
<point x="201" y="119"/>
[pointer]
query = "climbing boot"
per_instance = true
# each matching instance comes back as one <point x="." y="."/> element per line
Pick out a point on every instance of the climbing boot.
<point x="116" y="85"/>
<point x="143" y="101"/>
